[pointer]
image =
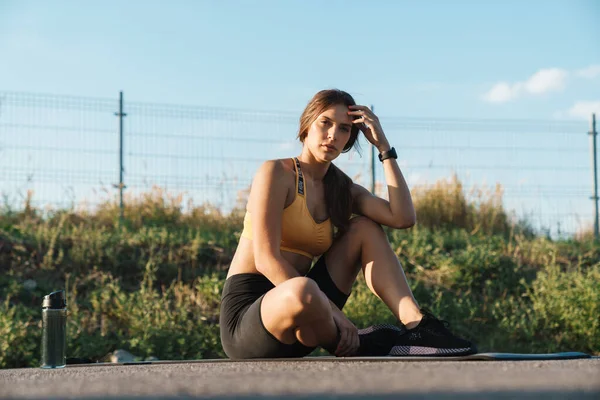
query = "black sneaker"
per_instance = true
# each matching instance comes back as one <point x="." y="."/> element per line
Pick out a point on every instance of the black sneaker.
<point x="431" y="337"/>
<point x="378" y="340"/>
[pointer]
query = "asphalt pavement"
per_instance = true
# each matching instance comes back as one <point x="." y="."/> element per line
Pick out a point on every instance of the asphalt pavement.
<point x="330" y="379"/>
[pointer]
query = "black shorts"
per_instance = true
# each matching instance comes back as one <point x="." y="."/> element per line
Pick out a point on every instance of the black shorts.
<point x="243" y="334"/>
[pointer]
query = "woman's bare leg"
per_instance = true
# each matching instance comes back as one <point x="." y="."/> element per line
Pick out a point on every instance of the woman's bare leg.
<point x="365" y="246"/>
<point x="298" y="310"/>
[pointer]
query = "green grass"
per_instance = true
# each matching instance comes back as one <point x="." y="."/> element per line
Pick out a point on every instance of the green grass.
<point x="152" y="284"/>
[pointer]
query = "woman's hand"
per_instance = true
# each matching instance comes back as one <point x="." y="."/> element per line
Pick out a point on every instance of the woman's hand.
<point x="349" y="342"/>
<point x="369" y="124"/>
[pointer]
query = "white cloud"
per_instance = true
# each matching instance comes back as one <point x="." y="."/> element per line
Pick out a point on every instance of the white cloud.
<point x="584" y="109"/>
<point x="501" y="92"/>
<point x="590" y="72"/>
<point x="546" y="80"/>
<point x="543" y="81"/>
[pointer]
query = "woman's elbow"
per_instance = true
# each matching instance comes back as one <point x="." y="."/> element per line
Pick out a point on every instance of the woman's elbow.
<point x="405" y="223"/>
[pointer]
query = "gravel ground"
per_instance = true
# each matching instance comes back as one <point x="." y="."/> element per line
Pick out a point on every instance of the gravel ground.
<point x="343" y="378"/>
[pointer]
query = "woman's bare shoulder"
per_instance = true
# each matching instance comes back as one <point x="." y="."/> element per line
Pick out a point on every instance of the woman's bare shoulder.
<point x="281" y="168"/>
<point x="278" y="173"/>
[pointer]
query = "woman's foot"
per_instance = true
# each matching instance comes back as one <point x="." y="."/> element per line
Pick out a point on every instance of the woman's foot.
<point x="431" y="337"/>
<point x="378" y="340"/>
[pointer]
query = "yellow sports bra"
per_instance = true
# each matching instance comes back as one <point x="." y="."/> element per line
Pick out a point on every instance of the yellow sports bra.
<point x="300" y="233"/>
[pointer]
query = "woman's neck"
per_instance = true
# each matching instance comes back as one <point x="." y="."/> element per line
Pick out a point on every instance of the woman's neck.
<point x="315" y="170"/>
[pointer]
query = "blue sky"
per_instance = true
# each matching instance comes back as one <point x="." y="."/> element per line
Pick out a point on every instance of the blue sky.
<point x="434" y="60"/>
<point x="428" y="58"/>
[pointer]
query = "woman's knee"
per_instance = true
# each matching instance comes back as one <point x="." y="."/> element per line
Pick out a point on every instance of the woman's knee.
<point x="302" y="295"/>
<point x="362" y="225"/>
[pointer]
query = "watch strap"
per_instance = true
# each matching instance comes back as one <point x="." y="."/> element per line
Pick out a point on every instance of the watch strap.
<point x="391" y="153"/>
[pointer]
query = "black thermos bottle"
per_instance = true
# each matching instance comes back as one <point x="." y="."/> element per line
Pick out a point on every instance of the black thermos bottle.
<point x="54" y="330"/>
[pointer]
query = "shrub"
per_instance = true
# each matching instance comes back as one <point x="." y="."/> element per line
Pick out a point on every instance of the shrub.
<point x="152" y="284"/>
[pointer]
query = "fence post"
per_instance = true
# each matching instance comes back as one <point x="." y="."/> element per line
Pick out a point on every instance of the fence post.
<point x="593" y="135"/>
<point x="121" y="185"/>
<point x="372" y="163"/>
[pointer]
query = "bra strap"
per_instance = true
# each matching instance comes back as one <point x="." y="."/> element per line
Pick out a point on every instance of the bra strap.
<point x="300" y="177"/>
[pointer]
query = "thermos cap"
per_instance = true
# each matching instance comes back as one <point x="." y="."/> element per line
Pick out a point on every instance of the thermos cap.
<point x="55" y="300"/>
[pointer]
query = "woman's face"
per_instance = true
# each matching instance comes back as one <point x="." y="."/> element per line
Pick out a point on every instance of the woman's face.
<point x="329" y="133"/>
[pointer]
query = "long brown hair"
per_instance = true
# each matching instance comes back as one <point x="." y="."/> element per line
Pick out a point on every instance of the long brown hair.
<point x="338" y="197"/>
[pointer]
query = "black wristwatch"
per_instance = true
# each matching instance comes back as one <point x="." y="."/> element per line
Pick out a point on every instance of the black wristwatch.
<point x="391" y="153"/>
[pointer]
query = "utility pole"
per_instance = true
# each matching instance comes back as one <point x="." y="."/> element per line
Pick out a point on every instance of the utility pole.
<point x="593" y="134"/>
<point x="121" y="185"/>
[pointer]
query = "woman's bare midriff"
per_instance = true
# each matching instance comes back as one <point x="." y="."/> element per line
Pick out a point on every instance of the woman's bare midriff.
<point x="243" y="260"/>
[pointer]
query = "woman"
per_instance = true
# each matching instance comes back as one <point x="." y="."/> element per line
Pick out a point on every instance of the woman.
<point x="273" y="303"/>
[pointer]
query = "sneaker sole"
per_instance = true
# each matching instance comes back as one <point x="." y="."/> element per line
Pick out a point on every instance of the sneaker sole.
<point x="429" y="351"/>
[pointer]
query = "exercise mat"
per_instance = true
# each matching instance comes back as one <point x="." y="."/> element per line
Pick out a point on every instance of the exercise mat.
<point x="473" y="357"/>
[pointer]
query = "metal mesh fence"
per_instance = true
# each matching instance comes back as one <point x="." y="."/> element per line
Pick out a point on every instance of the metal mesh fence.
<point x="66" y="151"/>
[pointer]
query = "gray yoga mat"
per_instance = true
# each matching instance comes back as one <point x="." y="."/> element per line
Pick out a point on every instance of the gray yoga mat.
<point x="473" y="357"/>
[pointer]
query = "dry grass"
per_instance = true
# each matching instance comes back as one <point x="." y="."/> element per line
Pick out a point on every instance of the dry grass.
<point x="445" y="205"/>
